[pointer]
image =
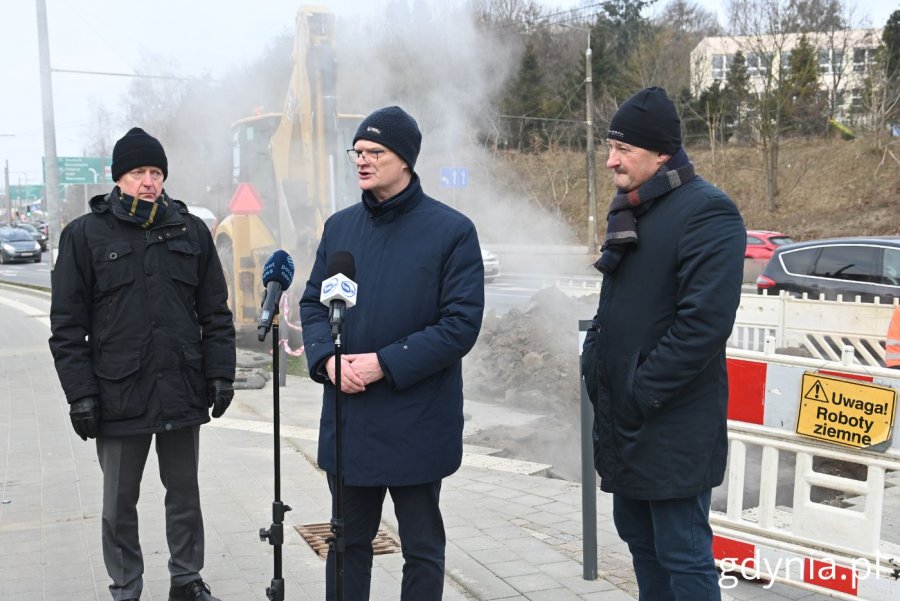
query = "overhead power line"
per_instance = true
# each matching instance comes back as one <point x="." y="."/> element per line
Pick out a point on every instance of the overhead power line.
<point x="138" y="75"/>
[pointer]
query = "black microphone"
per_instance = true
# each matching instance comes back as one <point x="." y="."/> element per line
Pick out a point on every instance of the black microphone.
<point x="277" y="275"/>
<point x="338" y="288"/>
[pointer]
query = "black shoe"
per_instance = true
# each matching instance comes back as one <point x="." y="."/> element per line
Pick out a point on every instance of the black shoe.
<point x="192" y="591"/>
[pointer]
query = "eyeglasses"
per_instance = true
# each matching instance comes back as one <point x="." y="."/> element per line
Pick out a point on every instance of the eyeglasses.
<point x="369" y="156"/>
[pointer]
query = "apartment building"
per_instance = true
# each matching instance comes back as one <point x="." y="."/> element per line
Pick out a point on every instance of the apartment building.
<point x="845" y="58"/>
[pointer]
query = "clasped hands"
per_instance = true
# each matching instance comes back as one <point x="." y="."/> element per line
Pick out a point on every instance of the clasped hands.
<point x="356" y="371"/>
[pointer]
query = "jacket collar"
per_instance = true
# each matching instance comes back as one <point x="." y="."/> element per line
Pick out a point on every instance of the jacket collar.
<point x="397" y="205"/>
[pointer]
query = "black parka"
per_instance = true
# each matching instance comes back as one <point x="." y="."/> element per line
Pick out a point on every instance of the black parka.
<point x="139" y="318"/>
<point x="654" y="359"/>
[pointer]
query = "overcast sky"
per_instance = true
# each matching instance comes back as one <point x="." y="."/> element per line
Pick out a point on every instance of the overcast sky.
<point x="200" y="36"/>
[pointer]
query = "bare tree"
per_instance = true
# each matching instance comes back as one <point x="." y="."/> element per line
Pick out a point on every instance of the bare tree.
<point x="760" y="23"/>
<point x="881" y="101"/>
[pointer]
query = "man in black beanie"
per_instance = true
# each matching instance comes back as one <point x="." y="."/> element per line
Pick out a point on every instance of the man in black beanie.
<point x="653" y="360"/>
<point x="144" y="347"/>
<point x="419" y="267"/>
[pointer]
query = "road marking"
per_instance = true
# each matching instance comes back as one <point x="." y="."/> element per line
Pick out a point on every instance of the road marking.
<point x="40" y="316"/>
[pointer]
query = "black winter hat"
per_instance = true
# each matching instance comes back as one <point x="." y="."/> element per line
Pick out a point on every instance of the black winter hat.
<point x="137" y="148"/>
<point x="647" y="120"/>
<point x="396" y="129"/>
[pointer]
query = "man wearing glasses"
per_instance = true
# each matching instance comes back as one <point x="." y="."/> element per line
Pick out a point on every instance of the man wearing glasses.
<point x="143" y="342"/>
<point x="421" y="297"/>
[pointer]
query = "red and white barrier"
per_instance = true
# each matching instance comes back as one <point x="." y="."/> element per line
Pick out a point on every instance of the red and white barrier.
<point x="817" y="547"/>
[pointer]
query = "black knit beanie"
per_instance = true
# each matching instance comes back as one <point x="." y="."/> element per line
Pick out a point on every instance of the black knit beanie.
<point x="647" y="120"/>
<point x="135" y="149"/>
<point x="396" y="129"/>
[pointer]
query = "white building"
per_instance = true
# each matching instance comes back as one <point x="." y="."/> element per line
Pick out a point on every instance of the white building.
<point x="845" y="57"/>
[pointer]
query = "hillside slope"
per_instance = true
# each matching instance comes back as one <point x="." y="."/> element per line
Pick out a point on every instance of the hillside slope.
<point x="828" y="188"/>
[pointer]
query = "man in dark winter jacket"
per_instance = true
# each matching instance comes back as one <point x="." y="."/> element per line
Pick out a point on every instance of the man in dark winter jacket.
<point x="144" y="345"/>
<point x="421" y="296"/>
<point x="654" y="358"/>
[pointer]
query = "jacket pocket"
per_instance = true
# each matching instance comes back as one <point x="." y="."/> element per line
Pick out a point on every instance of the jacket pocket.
<point x="629" y="412"/>
<point x="185" y="261"/>
<point x="113" y="265"/>
<point x="118" y="378"/>
<point x="192" y="373"/>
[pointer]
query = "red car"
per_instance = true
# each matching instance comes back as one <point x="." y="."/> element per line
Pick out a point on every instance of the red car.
<point x="761" y="244"/>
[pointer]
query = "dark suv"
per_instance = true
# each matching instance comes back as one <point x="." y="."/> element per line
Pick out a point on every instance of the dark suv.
<point x="864" y="267"/>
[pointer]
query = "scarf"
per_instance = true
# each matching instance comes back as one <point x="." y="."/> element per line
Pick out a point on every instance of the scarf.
<point x="621" y="229"/>
<point x="144" y="213"/>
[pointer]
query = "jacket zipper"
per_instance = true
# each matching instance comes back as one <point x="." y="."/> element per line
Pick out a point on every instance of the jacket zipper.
<point x="105" y="325"/>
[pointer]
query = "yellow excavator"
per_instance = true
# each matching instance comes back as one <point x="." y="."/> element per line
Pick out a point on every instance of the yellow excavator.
<point x="290" y="173"/>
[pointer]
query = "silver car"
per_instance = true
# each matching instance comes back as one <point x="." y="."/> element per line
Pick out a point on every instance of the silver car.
<point x="17" y="244"/>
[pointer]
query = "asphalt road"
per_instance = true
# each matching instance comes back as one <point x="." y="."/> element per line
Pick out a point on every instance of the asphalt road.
<point x="501" y="295"/>
<point x="29" y="274"/>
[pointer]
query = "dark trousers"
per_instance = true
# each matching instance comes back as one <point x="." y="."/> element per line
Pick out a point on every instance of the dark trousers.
<point x="671" y="547"/>
<point x="122" y="459"/>
<point x="422" y="540"/>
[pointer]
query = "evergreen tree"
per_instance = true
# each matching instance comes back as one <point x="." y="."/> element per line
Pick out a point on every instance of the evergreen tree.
<point x="523" y="102"/>
<point x="805" y="106"/>
<point x="736" y="95"/>
<point x="890" y="37"/>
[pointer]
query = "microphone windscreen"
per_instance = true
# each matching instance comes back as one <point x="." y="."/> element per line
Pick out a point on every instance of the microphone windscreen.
<point x="341" y="262"/>
<point x="279" y="268"/>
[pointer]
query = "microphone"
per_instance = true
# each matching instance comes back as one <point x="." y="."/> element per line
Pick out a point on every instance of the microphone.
<point x="339" y="289"/>
<point x="277" y="275"/>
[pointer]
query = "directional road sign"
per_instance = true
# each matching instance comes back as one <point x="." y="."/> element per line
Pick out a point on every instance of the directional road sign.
<point x="84" y="170"/>
<point x="454" y="177"/>
<point x="29" y="192"/>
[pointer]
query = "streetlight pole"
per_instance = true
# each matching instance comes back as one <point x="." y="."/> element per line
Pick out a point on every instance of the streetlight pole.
<point x="9" y="211"/>
<point x="589" y="122"/>
<point x="51" y="168"/>
<point x="589" y="146"/>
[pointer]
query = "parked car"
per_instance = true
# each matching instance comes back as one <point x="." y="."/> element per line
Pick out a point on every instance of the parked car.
<point x="208" y="217"/>
<point x="865" y="266"/>
<point x="17" y="244"/>
<point x="37" y="234"/>
<point x="761" y="244"/>
<point x="491" y="264"/>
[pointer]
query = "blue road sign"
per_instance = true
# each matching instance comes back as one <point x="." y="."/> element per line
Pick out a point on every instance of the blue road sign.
<point x="454" y="177"/>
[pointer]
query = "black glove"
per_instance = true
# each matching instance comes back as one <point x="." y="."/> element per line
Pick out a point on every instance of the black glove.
<point x="219" y="393"/>
<point x="85" y="416"/>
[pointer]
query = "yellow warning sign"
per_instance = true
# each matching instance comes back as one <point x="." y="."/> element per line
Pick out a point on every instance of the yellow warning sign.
<point x="847" y="412"/>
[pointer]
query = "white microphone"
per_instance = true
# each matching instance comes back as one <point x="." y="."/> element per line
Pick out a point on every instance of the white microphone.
<point x="339" y="289"/>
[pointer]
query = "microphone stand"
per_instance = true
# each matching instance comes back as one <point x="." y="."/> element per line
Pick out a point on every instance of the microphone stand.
<point x="336" y="540"/>
<point x="275" y="532"/>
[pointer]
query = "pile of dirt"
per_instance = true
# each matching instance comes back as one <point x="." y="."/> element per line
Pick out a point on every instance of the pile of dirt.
<point x="529" y="355"/>
<point x="527" y="359"/>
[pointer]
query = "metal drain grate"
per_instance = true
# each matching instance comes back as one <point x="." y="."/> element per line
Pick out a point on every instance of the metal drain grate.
<point x="316" y="536"/>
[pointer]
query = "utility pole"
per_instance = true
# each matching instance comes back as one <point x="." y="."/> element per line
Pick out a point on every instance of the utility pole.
<point x="9" y="210"/>
<point x="591" y="192"/>
<point x="51" y="168"/>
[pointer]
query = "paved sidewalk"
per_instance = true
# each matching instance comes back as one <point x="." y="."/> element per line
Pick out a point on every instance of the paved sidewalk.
<point x="511" y="536"/>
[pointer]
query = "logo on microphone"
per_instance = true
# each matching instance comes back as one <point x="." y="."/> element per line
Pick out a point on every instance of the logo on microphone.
<point x="348" y="288"/>
<point x="329" y="285"/>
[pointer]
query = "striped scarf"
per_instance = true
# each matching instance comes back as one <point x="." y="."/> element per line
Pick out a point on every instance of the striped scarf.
<point x="621" y="229"/>
<point x="143" y="212"/>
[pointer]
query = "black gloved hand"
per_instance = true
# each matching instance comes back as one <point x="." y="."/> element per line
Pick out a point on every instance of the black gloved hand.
<point x="219" y="393"/>
<point x="85" y="416"/>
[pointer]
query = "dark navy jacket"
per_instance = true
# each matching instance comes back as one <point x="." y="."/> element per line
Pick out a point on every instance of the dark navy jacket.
<point x="139" y="318"/>
<point x="420" y="302"/>
<point x="654" y="360"/>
